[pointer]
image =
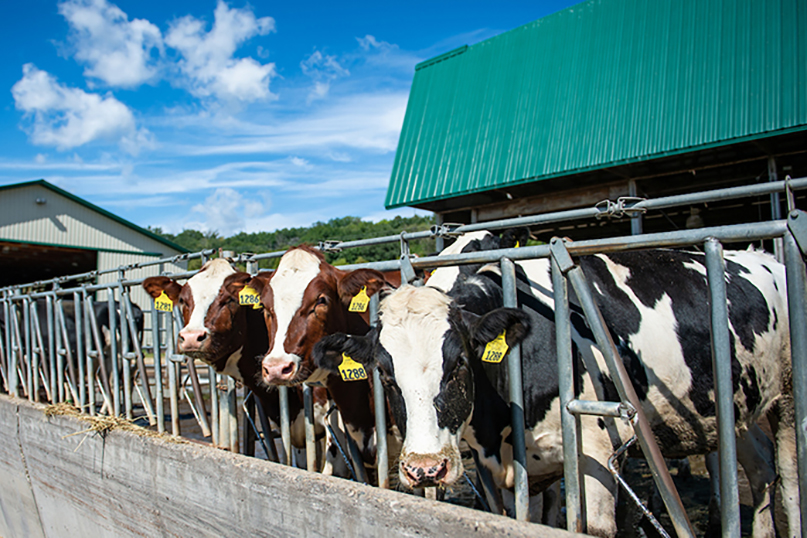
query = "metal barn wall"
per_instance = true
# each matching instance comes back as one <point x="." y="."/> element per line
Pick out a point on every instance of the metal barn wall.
<point x="602" y="83"/>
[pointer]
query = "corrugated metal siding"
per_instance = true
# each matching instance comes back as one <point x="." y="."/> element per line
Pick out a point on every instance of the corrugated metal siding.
<point x="62" y="221"/>
<point x="112" y="260"/>
<point x="601" y="83"/>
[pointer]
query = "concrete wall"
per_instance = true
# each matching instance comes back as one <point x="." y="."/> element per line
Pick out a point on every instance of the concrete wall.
<point x="54" y="484"/>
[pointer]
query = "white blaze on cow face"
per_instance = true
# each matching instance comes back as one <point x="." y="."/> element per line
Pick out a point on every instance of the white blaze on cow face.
<point x="414" y="322"/>
<point x="296" y="270"/>
<point x="205" y="286"/>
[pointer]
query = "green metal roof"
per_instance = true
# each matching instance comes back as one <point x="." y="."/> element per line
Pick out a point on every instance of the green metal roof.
<point x="602" y="83"/>
<point x="102" y="211"/>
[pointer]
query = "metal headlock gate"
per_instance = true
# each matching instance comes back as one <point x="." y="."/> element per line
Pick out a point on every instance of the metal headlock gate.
<point x="27" y="364"/>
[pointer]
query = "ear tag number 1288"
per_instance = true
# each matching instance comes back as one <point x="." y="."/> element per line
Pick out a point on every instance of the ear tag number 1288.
<point x="360" y="302"/>
<point x="496" y="349"/>
<point x="163" y="304"/>
<point x="351" y="370"/>
<point x="249" y="297"/>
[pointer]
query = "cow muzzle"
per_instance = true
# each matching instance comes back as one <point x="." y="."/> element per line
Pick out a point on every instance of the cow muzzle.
<point x="279" y="372"/>
<point x="191" y="340"/>
<point x="425" y="471"/>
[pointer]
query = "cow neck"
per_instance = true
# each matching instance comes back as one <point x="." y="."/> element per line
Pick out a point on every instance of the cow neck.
<point x="351" y="398"/>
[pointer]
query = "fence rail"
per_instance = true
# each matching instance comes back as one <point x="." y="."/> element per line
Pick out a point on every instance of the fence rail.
<point x="55" y="345"/>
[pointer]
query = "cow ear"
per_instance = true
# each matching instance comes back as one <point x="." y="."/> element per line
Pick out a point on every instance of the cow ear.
<point x="236" y="282"/>
<point x="259" y="282"/>
<point x="155" y="285"/>
<point x="328" y="351"/>
<point x="351" y="284"/>
<point x="514" y="322"/>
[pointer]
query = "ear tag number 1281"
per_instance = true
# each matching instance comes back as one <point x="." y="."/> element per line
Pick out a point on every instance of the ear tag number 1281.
<point x="496" y="349"/>
<point x="163" y="304"/>
<point x="360" y="302"/>
<point x="249" y="297"/>
<point x="351" y="370"/>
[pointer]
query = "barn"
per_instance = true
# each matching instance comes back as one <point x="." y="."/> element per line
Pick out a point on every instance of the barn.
<point x="47" y="232"/>
<point x="609" y="99"/>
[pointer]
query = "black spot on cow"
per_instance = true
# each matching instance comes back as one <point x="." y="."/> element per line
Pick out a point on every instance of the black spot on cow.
<point x="601" y="423"/>
<point x="536" y="457"/>
<point x="751" y="390"/>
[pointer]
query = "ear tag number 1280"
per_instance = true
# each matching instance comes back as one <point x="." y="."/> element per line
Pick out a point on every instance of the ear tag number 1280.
<point x="360" y="302"/>
<point x="249" y="297"/>
<point x="351" y="370"/>
<point x="496" y="349"/>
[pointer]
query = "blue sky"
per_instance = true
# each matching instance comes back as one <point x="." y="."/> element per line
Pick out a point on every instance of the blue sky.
<point x="223" y="116"/>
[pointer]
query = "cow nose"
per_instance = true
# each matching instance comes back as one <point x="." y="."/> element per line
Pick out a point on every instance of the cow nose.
<point x="278" y="371"/>
<point x="426" y="471"/>
<point x="191" y="340"/>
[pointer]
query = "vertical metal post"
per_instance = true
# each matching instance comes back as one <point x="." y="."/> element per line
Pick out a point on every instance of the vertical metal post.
<point x="30" y="373"/>
<point x="521" y="487"/>
<point x="249" y="410"/>
<point x="797" y="303"/>
<point x="285" y="426"/>
<point x="310" y="439"/>
<point x="170" y="346"/>
<point x="635" y="220"/>
<point x="724" y="396"/>
<point x="51" y="347"/>
<point x="776" y="209"/>
<point x="112" y="309"/>
<point x="382" y="452"/>
<point x="570" y="424"/>
<point x="439" y="242"/>
<point x="212" y="377"/>
<point x="80" y="359"/>
<point x="13" y="381"/>
<point x="158" y="369"/>
<point x="38" y="350"/>
<point x="3" y="352"/>
<point x="124" y="342"/>
<point x="141" y="363"/>
<point x="90" y="370"/>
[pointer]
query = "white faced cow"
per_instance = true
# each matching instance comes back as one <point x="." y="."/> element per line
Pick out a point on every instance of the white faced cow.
<point x="428" y="347"/>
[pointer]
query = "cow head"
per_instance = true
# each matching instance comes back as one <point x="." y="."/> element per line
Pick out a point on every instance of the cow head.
<point x="214" y="321"/>
<point x="426" y="349"/>
<point x="305" y="299"/>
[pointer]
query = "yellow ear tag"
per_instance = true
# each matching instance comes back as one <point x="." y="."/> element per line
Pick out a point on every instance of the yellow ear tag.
<point x="163" y="303"/>
<point x="351" y="370"/>
<point x="518" y="244"/>
<point x="360" y="302"/>
<point x="496" y="349"/>
<point x="249" y="297"/>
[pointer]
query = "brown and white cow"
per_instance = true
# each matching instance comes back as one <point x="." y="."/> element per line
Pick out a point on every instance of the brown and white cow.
<point x="229" y="337"/>
<point x="305" y="299"/>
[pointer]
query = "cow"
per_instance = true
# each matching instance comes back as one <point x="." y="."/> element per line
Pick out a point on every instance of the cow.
<point x="429" y="343"/>
<point x="303" y="300"/>
<point x="231" y="338"/>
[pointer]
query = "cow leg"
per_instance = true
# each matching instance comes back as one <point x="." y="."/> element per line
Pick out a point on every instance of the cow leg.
<point x="755" y="453"/>
<point x="782" y="418"/>
<point x="600" y="496"/>
<point x="714" y="525"/>
<point x="552" y="504"/>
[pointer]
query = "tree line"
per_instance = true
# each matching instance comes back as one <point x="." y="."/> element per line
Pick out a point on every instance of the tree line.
<point x="338" y="229"/>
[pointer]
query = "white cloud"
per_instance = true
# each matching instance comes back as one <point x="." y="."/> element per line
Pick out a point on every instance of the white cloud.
<point x="226" y="210"/>
<point x="207" y="64"/>
<point x="322" y="69"/>
<point x="70" y="117"/>
<point x="381" y="54"/>
<point x="117" y="51"/>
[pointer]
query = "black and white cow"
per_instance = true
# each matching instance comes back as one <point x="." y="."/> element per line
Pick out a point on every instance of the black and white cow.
<point x="428" y="347"/>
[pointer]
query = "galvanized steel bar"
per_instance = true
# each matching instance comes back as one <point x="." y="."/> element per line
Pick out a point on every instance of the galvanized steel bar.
<point x="88" y="354"/>
<point x="224" y="414"/>
<point x="285" y="426"/>
<point x="92" y="324"/>
<point x="570" y="424"/>
<point x="171" y="366"/>
<point x="29" y="373"/>
<point x="380" y="403"/>
<point x="268" y="439"/>
<point x="10" y="355"/>
<point x="80" y="359"/>
<point x="126" y="363"/>
<point x="49" y="313"/>
<point x="73" y="377"/>
<point x="17" y="351"/>
<point x="3" y="355"/>
<point x="521" y="487"/>
<point x="37" y="354"/>
<point x="797" y="304"/>
<point x="724" y="395"/>
<point x="624" y="387"/>
<point x="212" y="377"/>
<point x="158" y="369"/>
<point x="145" y="392"/>
<point x="600" y="409"/>
<point x="232" y="411"/>
<point x="112" y="309"/>
<point x="310" y="438"/>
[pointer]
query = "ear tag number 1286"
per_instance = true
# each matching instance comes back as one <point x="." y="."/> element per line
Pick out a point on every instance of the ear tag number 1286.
<point x="163" y="304"/>
<point x="249" y="297"/>
<point x="496" y="349"/>
<point x="351" y="370"/>
<point x="360" y="301"/>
